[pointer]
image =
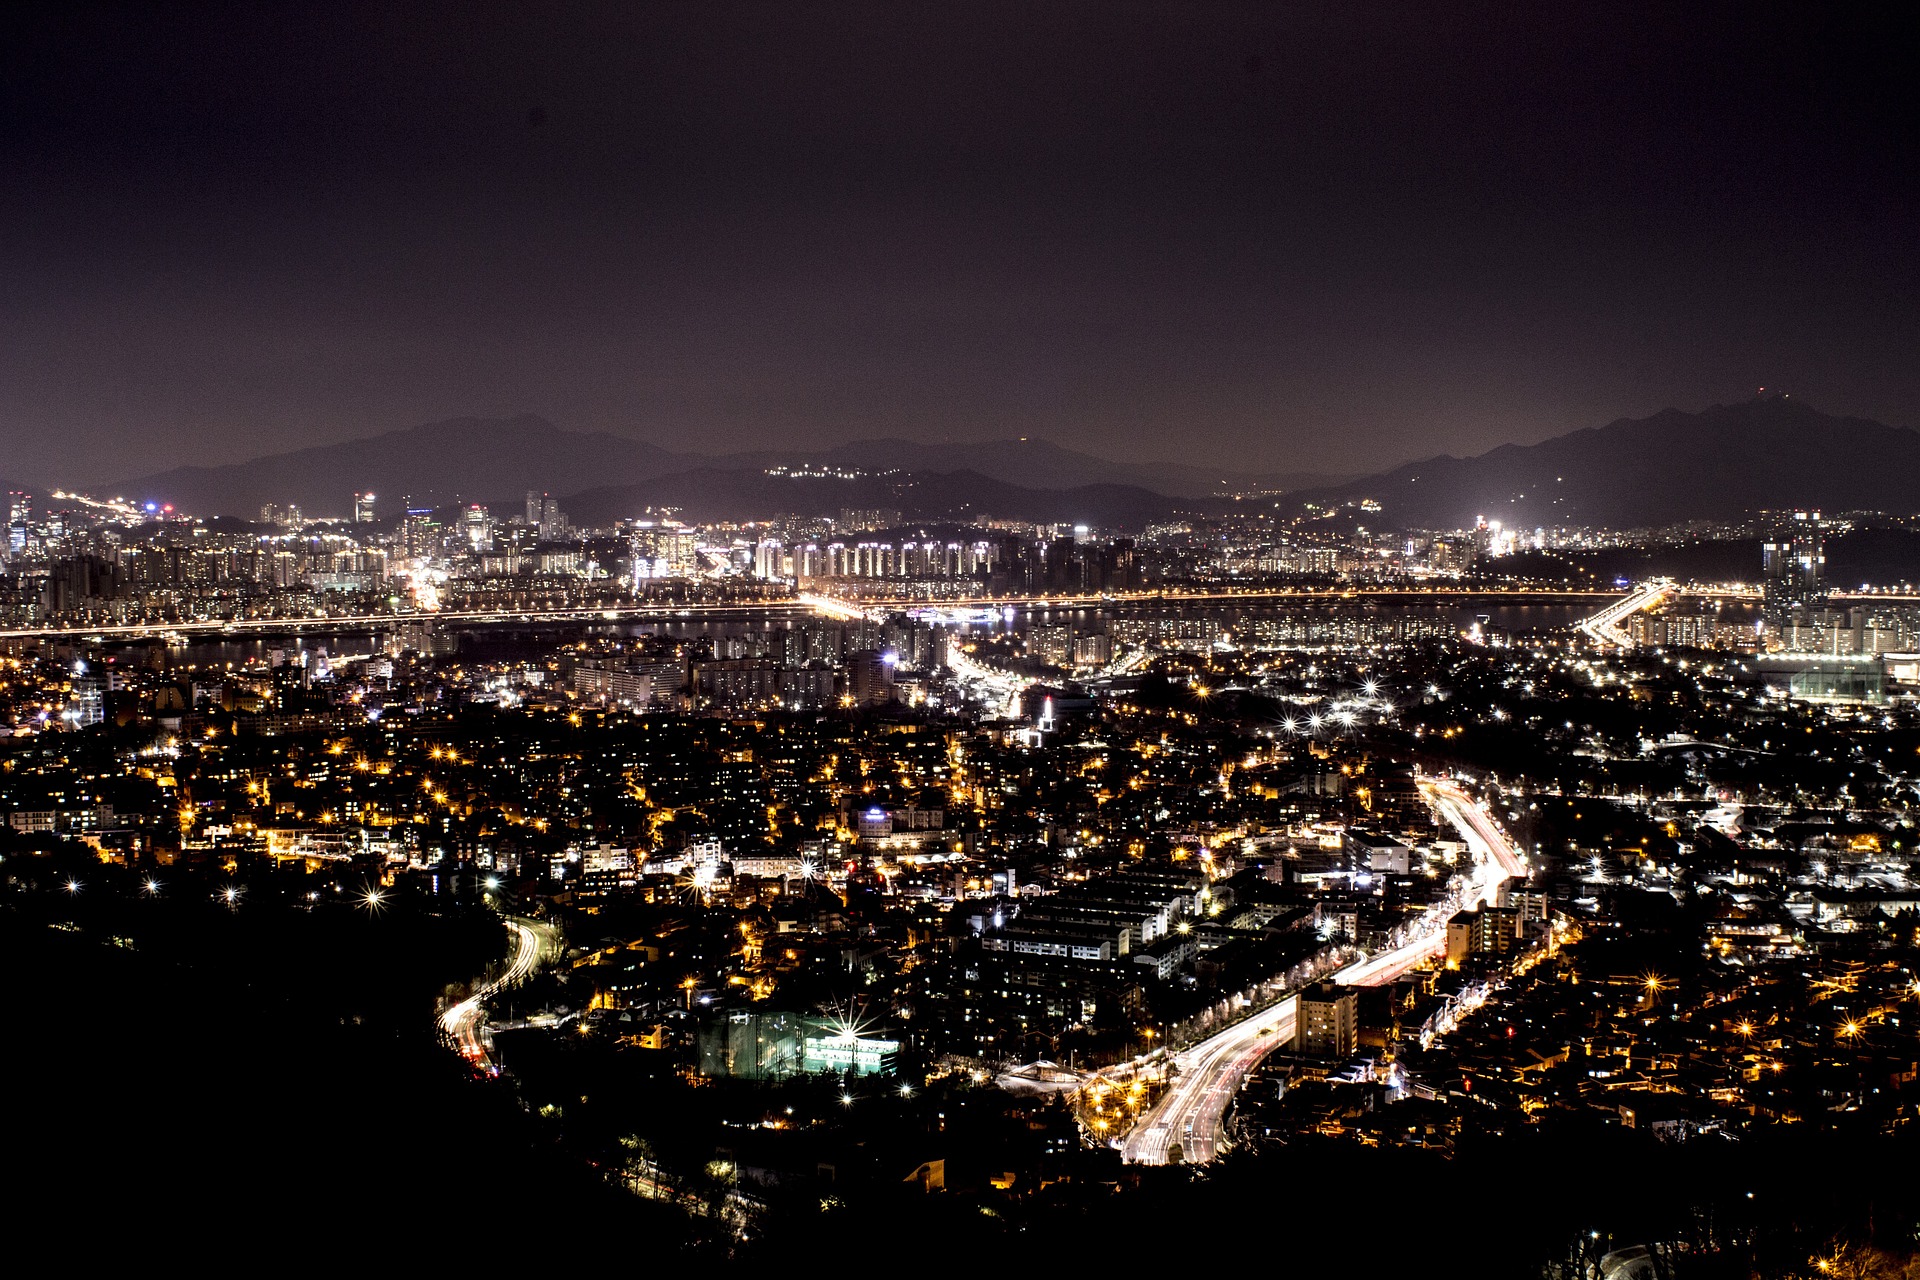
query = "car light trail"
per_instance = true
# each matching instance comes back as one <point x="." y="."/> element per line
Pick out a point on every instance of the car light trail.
<point x="1191" y="1114"/>
<point x="465" y="1024"/>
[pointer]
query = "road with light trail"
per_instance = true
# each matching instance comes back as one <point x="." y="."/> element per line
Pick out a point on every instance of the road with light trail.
<point x="1605" y="626"/>
<point x="1191" y="1114"/>
<point x="465" y="1023"/>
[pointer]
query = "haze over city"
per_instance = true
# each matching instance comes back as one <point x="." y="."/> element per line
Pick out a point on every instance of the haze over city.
<point x="1067" y="638"/>
<point x="1323" y="238"/>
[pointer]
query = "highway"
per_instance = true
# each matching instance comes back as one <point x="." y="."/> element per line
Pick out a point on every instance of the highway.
<point x="1604" y="627"/>
<point x="1483" y="835"/>
<point x="1242" y="595"/>
<point x="1191" y="1113"/>
<point x="465" y="1023"/>
<point x="989" y="684"/>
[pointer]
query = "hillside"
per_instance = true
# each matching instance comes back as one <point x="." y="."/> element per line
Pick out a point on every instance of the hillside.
<point x="466" y="459"/>
<point x="1860" y="557"/>
<point x="713" y="494"/>
<point x="1040" y="464"/>
<point x="497" y="460"/>
<point x="1674" y="466"/>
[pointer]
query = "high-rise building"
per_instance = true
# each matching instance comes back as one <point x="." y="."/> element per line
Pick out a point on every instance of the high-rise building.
<point x="533" y="506"/>
<point x="1327" y="1024"/>
<point x="419" y="533"/>
<point x="87" y="701"/>
<point x="552" y="521"/>
<point x="1051" y="644"/>
<point x="869" y="678"/>
<point x="19" y="517"/>
<point x="1488" y="931"/>
<point x="363" y="508"/>
<point x="868" y="519"/>
<point x="769" y="559"/>
<point x="1793" y="564"/>
<point x="477" y="525"/>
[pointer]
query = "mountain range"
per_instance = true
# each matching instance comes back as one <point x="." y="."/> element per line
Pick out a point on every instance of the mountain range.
<point x="1766" y="453"/>
<point x="951" y="497"/>
<point x="497" y="460"/>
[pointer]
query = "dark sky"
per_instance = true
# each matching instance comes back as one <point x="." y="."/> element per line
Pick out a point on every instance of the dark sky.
<point x="1278" y="235"/>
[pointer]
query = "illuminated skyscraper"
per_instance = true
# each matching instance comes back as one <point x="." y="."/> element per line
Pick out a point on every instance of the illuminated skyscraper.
<point x="363" y="508"/>
<point x="769" y="559"/>
<point x="19" y="516"/>
<point x="477" y="525"/>
<point x="1793" y="565"/>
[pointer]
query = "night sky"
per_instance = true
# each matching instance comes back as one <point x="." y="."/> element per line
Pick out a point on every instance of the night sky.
<point x="1274" y="236"/>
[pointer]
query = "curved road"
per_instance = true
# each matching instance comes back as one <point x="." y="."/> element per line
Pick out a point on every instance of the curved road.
<point x="465" y="1023"/>
<point x="1192" y="1111"/>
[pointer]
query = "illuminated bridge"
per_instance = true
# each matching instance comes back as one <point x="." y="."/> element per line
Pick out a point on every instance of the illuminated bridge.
<point x="1604" y="627"/>
<point x="851" y="608"/>
<point x="381" y="621"/>
<point x="1383" y="593"/>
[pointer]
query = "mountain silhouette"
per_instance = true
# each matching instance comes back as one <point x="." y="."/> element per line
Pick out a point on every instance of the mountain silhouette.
<point x="1767" y="453"/>
<point x="942" y="498"/>
<point x="496" y="460"/>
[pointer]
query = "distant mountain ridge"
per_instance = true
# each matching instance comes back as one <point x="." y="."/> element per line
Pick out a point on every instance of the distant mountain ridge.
<point x="496" y="460"/>
<point x="470" y="459"/>
<point x="920" y="497"/>
<point x="1672" y="467"/>
<point x="1766" y="453"/>
<point x="1035" y="463"/>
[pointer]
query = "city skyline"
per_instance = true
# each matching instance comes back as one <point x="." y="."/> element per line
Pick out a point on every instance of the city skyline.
<point x="1088" y="637"/>
<point x="1663" y="470"/>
